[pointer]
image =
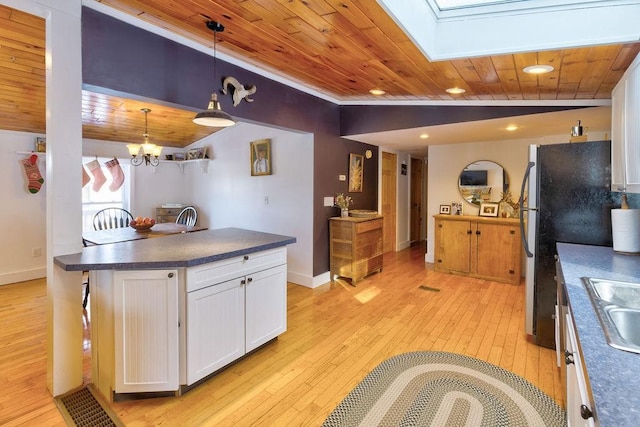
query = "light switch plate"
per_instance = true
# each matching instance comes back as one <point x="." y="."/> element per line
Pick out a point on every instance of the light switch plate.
<point x="342" y="177"/>
<point x="328" y="201"/>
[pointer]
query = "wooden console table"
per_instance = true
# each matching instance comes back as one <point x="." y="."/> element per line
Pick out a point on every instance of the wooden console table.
<point x="355" y="246"/>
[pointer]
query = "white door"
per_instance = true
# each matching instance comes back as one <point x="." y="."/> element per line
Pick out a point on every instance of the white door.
<point x="266" y="305"/>
<point x="215" y="328"/>
<point x="146" y="330"/>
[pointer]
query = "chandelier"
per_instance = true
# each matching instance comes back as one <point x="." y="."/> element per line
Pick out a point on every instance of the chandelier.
<point x="146" y="152"/>
<point x="214" y="116"/>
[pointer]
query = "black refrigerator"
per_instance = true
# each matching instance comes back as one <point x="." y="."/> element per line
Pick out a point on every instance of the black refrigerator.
<point x="569" y="199"/>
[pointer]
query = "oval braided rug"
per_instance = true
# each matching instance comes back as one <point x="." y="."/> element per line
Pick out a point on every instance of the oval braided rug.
<point x="444" y="389"/>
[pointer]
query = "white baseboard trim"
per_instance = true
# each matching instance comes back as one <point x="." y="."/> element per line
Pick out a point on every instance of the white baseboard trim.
<point x="22" y="276"/>
<point x="403" y="245"/>
<point x="308" y="281"/>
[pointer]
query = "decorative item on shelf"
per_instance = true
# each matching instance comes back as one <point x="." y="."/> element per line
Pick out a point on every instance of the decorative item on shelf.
<point x="356" y="169"/>
<point x="239" y="91"/>
<point x="41" y="145"/>
<point x="362" y="213"/>
<point x="456" y="208"/>
<point x="509" y="208"/>
<point x="214" y="116"/>
<point x="343" y="203"/>
<point x="445" y="209"/>
<point x="197" y="153"/>
<point x="489" y="209"/>
<point x="146" y="152"/>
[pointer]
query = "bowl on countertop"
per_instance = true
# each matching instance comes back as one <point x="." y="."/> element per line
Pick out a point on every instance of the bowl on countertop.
<point x="141" y="227"/>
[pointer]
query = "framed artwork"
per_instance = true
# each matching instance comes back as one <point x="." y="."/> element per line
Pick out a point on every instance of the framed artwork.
<point x="356" y="169"/>
<point x="260" y="157"/>
<point x="445" y="209"/>
<point x="456" y="208"/>
<point x="197" y="153"/>
<point x="178" y="156"/>
<point x="41" y="145"/>
<point x="488" y="209"/>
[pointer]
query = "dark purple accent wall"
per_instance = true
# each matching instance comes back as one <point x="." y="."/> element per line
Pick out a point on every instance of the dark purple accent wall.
<point x="121" y="59"/>
<point x="358" y="119"/>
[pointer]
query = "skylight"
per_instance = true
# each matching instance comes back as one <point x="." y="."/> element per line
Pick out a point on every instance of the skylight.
<point x="457" y="4"/>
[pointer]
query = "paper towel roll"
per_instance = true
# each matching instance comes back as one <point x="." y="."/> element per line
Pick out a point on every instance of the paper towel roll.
<point x="625" y="224"/>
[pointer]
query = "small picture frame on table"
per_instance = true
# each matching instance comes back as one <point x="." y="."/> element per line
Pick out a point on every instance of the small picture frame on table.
<point x="456" y="208"/>
<point x="445" y="210"/>
<point x="489" y="209"/>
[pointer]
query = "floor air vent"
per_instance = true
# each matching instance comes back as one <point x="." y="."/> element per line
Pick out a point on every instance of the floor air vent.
<point x="81" y="408"/>
<point x="428" y="288"/>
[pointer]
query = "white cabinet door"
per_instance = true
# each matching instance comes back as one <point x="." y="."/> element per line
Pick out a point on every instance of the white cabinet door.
<point x="577" y="393"/>
<point x="625" y="131"/>
<point x="146" y="330"/>
<point x="215" y="328"/>
<point x="266" y="306"/>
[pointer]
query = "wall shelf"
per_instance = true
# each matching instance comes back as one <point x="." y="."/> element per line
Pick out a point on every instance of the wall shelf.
<point x="204" y="163"/>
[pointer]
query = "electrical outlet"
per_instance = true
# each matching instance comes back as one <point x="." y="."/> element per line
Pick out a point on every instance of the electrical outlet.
<point x="266" y="200"/>
<point x="328" y="201"/>
<point x="342" y="177"/>
<point x="36" y="252"/>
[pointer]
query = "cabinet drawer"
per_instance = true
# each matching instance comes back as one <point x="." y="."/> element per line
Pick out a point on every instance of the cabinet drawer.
<point x="168" y="211"/>
<point x="363" y="227"/>
<point x="220" y="271"/>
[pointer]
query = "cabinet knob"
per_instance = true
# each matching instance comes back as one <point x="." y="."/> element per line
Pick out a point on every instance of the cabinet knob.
<point x="243" y="282"/>
<point x="585" y="412"/>
<point x="246" y="257"/>
<point x="170" y="275"/>
<point x="249" y="280"/>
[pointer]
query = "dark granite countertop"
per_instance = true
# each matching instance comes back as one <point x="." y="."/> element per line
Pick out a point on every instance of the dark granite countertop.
<point x="178" y="250"/>
<point x="614" y="374"/>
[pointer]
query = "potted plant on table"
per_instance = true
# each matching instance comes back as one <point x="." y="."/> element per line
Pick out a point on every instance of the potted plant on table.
<point x="343" y="203"/>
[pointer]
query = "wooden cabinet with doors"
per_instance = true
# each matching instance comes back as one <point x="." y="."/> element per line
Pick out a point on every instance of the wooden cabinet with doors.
<point x="355" y="247"/>
<point x="483" y="247"/>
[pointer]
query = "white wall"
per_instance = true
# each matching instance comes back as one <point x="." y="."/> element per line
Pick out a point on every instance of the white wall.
<point x="22" y="216"/>
<point x="228" y="196"/>
<point x="446" y="162"/>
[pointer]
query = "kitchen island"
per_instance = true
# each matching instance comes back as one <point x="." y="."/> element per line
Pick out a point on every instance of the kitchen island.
<point x="614" y="375"/>
<point x="166" y="313"/>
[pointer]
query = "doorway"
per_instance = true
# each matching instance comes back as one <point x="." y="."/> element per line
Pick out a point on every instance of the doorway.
<point x="415" y="231"/>
<point x="389" y="173"/>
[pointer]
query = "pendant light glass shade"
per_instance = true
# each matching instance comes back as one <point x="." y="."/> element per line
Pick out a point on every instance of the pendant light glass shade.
<point x="213" y="115"/>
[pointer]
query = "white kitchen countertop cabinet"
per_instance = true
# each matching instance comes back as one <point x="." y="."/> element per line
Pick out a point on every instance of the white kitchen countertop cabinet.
<point x="158" y="330"/>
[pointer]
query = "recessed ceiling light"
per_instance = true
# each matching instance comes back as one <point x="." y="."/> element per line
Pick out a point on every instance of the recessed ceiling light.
<point x="377" y="92"/>
<point x="424" y="136"/>
<point x="455" y="90"/>
<point x="538" y="69"/>
<point x="511" y="128"/>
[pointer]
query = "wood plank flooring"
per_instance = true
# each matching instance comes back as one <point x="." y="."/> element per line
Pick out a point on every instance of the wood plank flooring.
<point x="336" y="334"/>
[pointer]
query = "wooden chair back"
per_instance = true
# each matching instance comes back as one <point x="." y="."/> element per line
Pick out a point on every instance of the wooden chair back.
<point x="188" y="216"/>
<point x="111" y="218"/>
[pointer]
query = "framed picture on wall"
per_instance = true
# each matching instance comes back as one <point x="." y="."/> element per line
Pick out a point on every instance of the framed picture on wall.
<point x="488" y="209"/>
<point x="356" y="169"/>
<point x="260" y="157"/>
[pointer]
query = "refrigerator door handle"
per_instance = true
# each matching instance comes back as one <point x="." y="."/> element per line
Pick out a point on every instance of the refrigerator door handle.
<point x="527" y="176"/>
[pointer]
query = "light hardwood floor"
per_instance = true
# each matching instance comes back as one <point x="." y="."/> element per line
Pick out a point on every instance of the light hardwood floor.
<point x="336" y="335"/>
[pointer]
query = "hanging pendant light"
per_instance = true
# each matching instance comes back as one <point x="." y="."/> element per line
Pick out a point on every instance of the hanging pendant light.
<point x="214" y="116"/>
<point x="146" y="152"/>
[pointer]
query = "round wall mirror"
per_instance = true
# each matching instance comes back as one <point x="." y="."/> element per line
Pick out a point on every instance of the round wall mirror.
<point x="483" y="181"/>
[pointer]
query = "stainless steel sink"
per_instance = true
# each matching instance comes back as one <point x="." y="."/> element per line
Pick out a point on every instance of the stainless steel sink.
<point x="618" y="307"/>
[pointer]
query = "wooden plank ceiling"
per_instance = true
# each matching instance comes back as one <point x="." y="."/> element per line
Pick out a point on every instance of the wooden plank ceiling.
<point x="342" y="48"/>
